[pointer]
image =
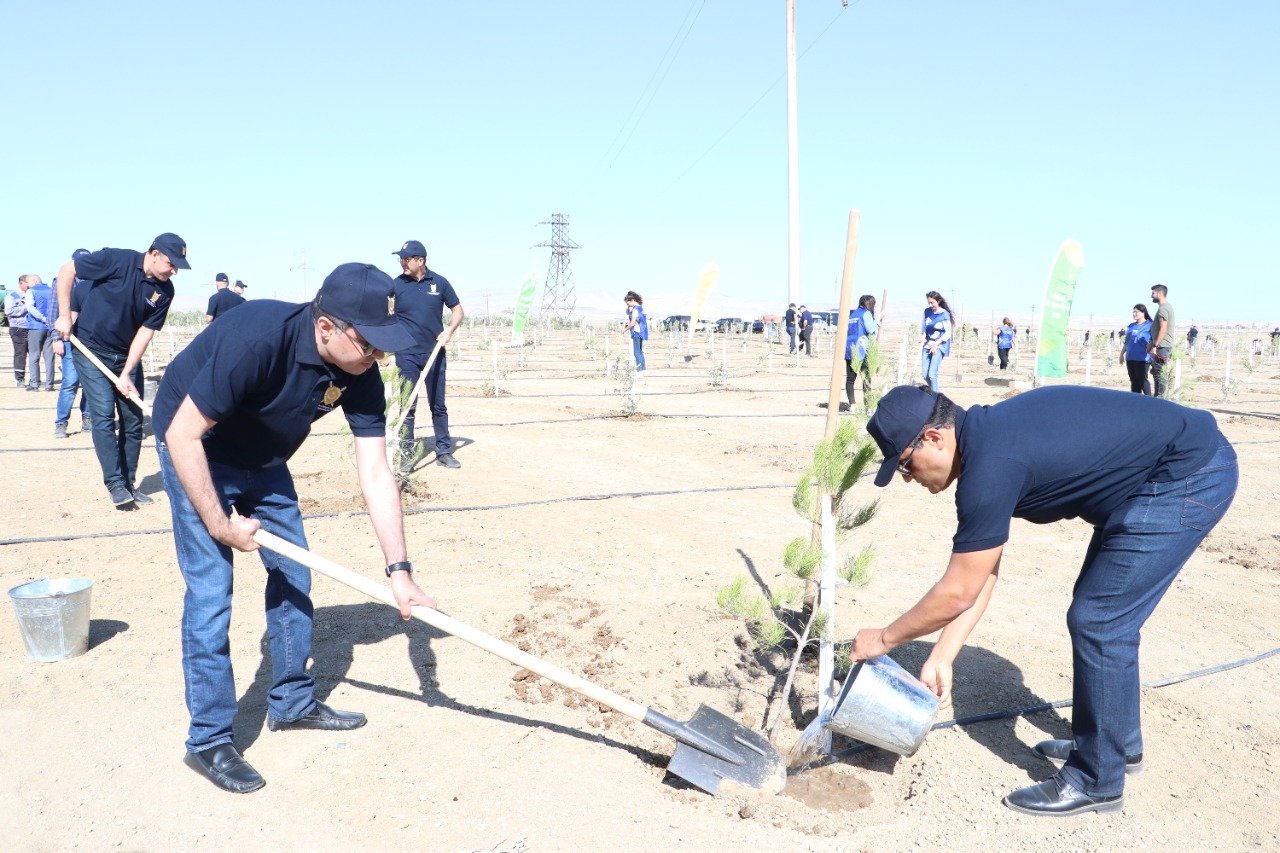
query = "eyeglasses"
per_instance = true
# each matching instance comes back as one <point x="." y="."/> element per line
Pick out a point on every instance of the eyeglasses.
<point x="366" y="349"/>
<point x="904" y="465"/>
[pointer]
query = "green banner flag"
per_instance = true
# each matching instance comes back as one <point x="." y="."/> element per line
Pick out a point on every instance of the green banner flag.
<point x="1055" y="311"/>
<point x="523" y="301"/>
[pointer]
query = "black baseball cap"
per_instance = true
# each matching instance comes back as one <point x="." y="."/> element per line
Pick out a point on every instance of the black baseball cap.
<point x="240" y="284"/>
<point x="80" y="253"/>
<point x="411" y="249"/>
<point x="364" y="296"/>
<point x="221" y="277"/>
<point x="172" y="247"/>
<point x="899" y="419"/>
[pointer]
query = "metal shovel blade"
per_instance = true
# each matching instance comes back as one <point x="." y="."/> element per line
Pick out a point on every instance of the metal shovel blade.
<point x="748" y="758"/>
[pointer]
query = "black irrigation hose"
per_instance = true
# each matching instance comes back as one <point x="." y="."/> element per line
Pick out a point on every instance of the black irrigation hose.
<point x="1027" y="710"/>
<point x="421" y="510"/>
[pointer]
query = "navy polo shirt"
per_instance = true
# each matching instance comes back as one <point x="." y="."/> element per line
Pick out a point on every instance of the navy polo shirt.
<point x="420" y="306"/>
<point x="262" y="379"/>
<point x="119" y="300"/>
<point x="1066" y="452"/>
<point x="223" y="301"/>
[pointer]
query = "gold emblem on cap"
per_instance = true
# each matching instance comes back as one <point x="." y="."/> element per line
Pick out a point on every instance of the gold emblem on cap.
<point x="331" y="394"/>
<point x="391" y="305"/>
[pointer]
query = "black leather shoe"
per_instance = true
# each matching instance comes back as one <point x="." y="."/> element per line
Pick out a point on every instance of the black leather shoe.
<point x="1058" y="751"/>
<point x="447" y="460"/>
<point x="1056" y="798"/>
<point x="223" y="766"/>
<point x="321" y="717"/>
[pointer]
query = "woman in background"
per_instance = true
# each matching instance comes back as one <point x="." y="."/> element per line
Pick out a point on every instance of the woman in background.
<point x="1136" y="358"/>
<point x="638" y="326"/>
<point x="1005" y="337"/>
<point x="937" y="327"/>
<point x="863" y="326"/>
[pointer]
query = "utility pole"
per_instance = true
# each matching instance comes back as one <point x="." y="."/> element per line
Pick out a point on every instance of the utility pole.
<point x="793" y="164"/>
<point x="302" y="265"/>
<point x="558" y="298"/>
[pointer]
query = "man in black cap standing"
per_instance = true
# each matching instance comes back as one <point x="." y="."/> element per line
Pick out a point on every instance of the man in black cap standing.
<point x="421" y="297"/>
<point x="234" y="406"/>
<point x="239" y="287"/>
<point x="125" y="302"/>
<point x="223" y="299"/>
<point x="1152" y="495"/>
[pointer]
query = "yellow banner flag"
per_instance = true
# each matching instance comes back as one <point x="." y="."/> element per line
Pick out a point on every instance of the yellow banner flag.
<point x="706" y="281"/>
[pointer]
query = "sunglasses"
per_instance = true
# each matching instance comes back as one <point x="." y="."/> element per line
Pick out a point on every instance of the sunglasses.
<point x="904" y="465"/>
<point x="366" y="349"/>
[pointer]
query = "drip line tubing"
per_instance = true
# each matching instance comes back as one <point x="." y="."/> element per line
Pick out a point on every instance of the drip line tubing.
<point x="1061" y="703"/>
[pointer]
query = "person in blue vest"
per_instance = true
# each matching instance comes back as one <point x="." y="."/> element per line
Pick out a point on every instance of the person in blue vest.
<point x="1137" y="355"/>
<point x="863" y="326"/>
<point x="421" y="297"/>
<point x="789" y="323"/>
<point x="70" y="377"/>
<point x="126" y="303"/>
<point x="39" y="299"/>
<point x="15" y="311"/>
<point x="1006" y="335"/>
<point x="232" y="409"/>
<point x="223" y="299"/>
<point x="1151" y="494"/>
<point x="638" y="327"/>
<point x="937" y="327"/>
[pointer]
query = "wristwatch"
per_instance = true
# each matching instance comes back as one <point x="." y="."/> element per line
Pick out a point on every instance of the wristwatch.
<point x="402" y="566"/>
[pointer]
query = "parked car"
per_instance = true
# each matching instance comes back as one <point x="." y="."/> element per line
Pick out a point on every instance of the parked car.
<point x="730" y="324"/>
<point x="675" y="321"/>
<point x="757" y="327"/>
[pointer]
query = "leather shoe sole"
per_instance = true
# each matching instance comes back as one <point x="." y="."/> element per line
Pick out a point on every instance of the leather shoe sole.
<point x="1057" y="751"/>
<point x="1056" y="798"/>
<point x="322" y="718"/>
<point x="223" y="766"/>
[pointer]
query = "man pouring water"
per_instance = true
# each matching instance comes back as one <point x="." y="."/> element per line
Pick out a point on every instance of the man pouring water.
<point x="1152" y="495"/>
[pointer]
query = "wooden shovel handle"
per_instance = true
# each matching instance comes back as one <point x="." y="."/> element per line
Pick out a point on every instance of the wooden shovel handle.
<point x="97" y="362"/>
<point x="449" y="625"/>
<point x="417" y="389"/>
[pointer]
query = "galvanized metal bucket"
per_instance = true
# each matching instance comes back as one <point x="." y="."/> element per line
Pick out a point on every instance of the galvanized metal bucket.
<point x="884" y="705"/>
<point x="53" y="616"/>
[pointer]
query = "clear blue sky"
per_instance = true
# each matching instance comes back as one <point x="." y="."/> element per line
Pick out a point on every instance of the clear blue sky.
<point x="974" y="137"/>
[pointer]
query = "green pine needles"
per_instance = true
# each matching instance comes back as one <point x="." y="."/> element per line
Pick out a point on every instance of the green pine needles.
<point x="786" y="615"/>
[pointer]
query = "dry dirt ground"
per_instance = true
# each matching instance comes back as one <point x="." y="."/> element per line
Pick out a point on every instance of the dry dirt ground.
<point x="541" y="538"/>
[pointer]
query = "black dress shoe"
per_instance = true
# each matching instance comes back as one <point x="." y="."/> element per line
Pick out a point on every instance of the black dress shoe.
<point x="1058" y="751"/>
<point x="223" y="766"/>
<point x="1056" y="798"/>
<point x="321" y="717"/>
<point x="447" y="460"/>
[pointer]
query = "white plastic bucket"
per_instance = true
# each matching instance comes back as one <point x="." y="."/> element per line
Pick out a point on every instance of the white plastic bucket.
<point x="53" y="616"/>
<point x="884" y="705"/>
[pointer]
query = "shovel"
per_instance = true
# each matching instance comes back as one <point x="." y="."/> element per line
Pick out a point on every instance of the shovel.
<point x="711" y="747"/>
<point x="97" y="362"/>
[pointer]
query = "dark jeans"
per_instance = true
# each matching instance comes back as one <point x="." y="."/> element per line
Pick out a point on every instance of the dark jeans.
<point x="1004" y="358"/>
<point x="1131" y="561"/>
<point x="410" y="366"/>
<point x="1138" y="381"/>
<point x="805" y="345"/>
<point x="117" y="451"/>
<point x="268" y="495"/>
<point x="791" y="334"/>
<point x="19" y="338"/>
<point x="850" y="375"/>
<point x="1157" y="370"/>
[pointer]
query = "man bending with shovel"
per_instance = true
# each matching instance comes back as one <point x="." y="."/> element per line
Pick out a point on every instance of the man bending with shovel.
<point x="234" y="406"/>
<point x="1151" y="494"/>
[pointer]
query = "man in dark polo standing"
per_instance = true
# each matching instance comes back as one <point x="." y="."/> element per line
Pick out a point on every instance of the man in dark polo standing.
<point x="421" y="297"/>
<point x="125" y="303"/>
<point x="223" y="299"/>
<point x="1151" y="494"/>
<point x="234" y="406"/>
